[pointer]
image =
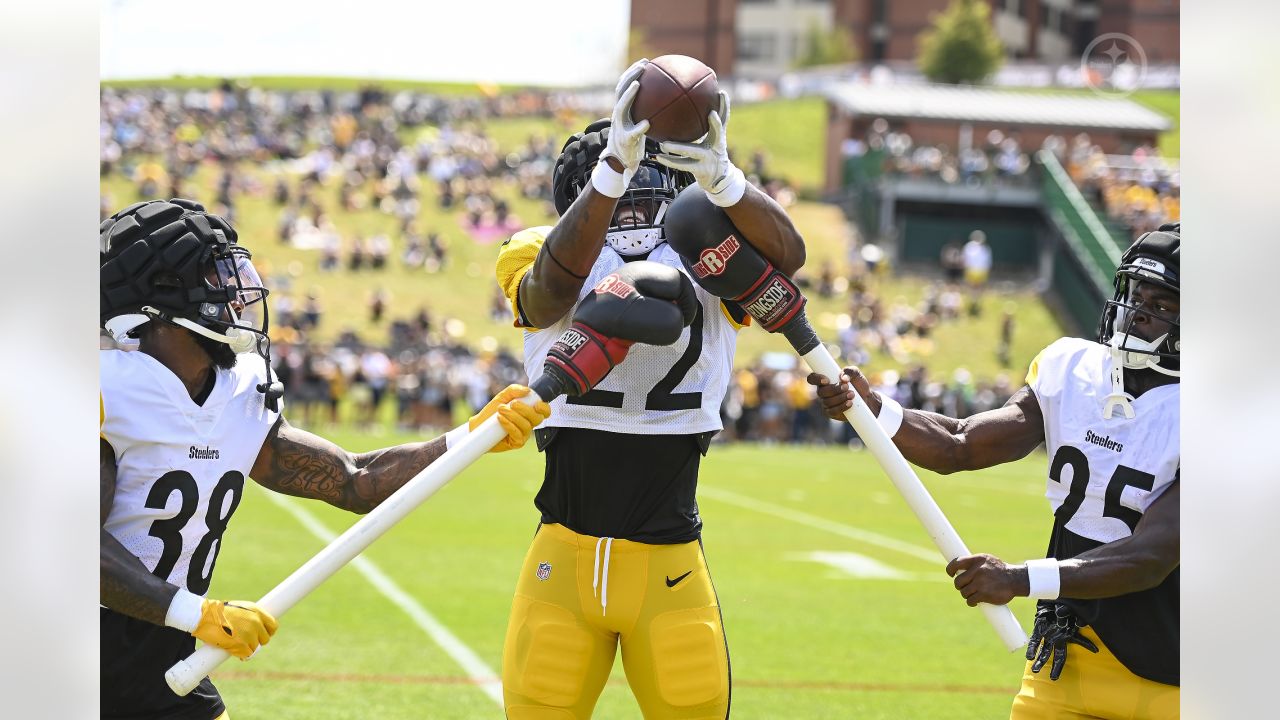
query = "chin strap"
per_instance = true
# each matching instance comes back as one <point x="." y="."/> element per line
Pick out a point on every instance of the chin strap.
<point x="1118" y="396"/>
<point x="1134" y="353"/>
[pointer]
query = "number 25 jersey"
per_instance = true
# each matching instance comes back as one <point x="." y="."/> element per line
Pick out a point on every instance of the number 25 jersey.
<point x="1103" y="475"/>
<point x="180" y="467"/>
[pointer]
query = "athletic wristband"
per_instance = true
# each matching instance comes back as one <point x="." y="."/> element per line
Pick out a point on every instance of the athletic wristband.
<point x="454" y="436"/>
<point x="184" y="611"/>
<point x="890" y="417"/>
<point x="1043" y="579"/>
<point x="608" y="181"/>
<point x="729" y="189"/>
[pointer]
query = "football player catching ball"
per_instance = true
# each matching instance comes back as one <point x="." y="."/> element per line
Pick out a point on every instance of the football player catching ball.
<point x="617" y="558"/>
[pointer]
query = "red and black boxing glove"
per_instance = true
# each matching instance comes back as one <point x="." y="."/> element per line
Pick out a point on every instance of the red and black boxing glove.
<point x="722" y="261"/>
<point x="641" y="302"/>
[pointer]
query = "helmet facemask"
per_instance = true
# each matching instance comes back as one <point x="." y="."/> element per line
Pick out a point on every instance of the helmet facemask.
<point x="636" y="228"/>
<point x="1124" y="315"/>
<point x="234" y="311"/>
<point x="1160" y="353"/>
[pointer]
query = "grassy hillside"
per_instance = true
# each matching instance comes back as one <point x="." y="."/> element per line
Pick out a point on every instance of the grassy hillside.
<point x="465" y="289"/>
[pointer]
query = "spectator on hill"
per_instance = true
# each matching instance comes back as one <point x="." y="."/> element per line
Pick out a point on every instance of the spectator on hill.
<point x="952" y="260"/>
<point x="1005" y="347"/>
<point x="379" y="299"/>
<point x="977" y="268"/>
<point x="356" y="256"/>
<point x="312" y="311"/>
<point x="379" y="248"/>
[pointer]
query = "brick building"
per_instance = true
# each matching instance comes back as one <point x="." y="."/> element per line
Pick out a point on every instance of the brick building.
<point x="946" y="115"/>
<point x="764" y="37"/>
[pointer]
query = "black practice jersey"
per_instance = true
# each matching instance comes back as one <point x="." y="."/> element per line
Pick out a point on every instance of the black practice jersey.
<point x="631" y="487"/>
<point x="135" y="655"/>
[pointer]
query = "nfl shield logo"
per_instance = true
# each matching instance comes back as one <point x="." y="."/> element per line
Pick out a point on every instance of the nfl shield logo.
<point x="544" y="570"/>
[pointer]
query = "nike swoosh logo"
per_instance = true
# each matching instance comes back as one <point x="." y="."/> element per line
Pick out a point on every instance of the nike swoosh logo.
<point x="672" y="583"/>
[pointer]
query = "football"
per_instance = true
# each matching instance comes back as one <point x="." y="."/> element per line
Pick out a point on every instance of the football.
<point x="676" y="93"/>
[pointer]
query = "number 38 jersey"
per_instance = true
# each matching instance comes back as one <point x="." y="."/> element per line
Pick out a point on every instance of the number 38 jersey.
<point x="1103" y="475"/>
<point x="181" y="467"/>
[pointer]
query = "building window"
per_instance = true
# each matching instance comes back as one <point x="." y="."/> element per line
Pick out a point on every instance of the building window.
<point x="757" y="46"/>
<point x="1049" y="18"/>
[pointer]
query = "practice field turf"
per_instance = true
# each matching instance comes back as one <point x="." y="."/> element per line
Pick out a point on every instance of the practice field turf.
<point x="834" y="599"/>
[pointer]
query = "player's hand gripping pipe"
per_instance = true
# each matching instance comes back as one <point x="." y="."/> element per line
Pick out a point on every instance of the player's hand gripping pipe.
<point x="641" y="302"/>
<point x="717" y="255"/>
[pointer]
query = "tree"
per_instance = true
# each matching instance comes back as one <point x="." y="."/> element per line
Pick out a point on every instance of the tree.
<point x="831" y="46"/>
<point x="962" y="46"/>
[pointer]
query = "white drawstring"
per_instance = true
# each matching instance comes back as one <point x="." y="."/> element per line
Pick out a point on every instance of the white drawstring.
<point x="603" y="592"/>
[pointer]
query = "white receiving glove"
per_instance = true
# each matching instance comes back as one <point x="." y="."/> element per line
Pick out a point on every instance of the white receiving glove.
<point x="708" y="160"/>
<point x="626" y="138"/>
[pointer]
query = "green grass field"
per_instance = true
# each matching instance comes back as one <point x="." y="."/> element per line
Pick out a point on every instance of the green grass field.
<point x="807" y="640"/>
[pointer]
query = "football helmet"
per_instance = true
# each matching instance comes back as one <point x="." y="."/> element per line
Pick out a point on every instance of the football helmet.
<point x="636" y="227"/>
<point x="171" y="261"/>
<point x="1153" y="259"/>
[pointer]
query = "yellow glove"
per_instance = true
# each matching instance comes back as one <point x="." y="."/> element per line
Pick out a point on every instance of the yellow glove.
<point x="238" y="626"/>
<point x="517" y="418"/>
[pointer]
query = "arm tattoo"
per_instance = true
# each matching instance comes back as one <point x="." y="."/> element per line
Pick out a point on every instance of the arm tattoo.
<point x="124" y="585"/>
<point x="296" y="462"/>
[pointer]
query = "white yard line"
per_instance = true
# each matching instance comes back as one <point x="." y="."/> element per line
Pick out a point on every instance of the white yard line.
<point x="479" y="672"/>
<point x="860" y="567"/>
<point x="930" y="555"/>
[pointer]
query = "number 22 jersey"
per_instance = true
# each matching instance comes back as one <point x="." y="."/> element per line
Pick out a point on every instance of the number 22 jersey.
<point x="1103" y="475"/>
<point x="622" y="459"/>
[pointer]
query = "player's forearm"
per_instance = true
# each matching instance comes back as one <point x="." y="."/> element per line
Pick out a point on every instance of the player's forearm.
<point x="932" y="441"/>
<point x="769" y="229"/>
<point x="1117" y="568"/>
<point x="382" y="472"/>
<point x="299" y="463"/>
<point x="125" y="586"/>
<point x="1138" y="562"/>
<point x="566" y="258"/>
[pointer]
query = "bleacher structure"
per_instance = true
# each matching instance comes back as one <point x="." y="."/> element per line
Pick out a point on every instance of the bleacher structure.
<point x="1038" y="221"/>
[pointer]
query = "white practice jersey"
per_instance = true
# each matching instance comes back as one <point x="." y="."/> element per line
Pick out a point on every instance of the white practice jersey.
<point x="1103" y="474"/>
<point x="181" y="467"/>
<point x="657" y="390"/>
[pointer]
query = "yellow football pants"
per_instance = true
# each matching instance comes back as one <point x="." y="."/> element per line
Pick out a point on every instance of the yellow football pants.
<point x="579" y="596"/>
<point x="1093" y="686"/>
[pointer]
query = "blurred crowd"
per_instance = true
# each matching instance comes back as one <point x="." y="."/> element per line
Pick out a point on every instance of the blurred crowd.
<point x="371" y="148"/>
<point x="997" y="158"/>
<point x="1138" y="191"/>
<point x="328" y="154"/>
<point x="771" y="401"/>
